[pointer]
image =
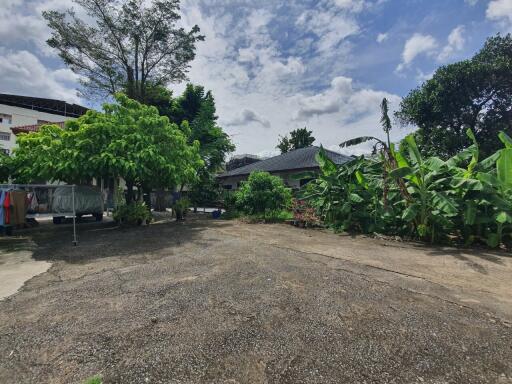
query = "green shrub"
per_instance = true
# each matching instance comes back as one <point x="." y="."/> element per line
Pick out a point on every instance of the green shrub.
<point x="229" y="201"/>
<point x="275" y="216"/>
<point x="229" y="215"/>
<point x="262" y="193"/>
<point x="180" y="208"/>
<point x="131" y="214"/>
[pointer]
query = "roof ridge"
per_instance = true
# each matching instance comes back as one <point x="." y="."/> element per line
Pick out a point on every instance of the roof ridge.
<point x="300" y="158"/>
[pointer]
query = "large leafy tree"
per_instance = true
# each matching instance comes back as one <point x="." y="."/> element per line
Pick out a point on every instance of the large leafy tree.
<point x="299" y="138"/>
<point x="474" y="94"/>
<point x="128" y="140"/>
<point x="194" y="111"/>
<point x="123" y="45"/>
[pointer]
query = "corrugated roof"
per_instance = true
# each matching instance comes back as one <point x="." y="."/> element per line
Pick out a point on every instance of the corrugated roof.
<point x="52" y="106"/>
<point x="302" y="158"/>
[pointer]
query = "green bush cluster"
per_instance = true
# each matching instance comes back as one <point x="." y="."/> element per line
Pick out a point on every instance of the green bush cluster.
<point x="180" y="208"/>
<point x="132" y="214"/>
<point x="261" y="193"/>
<point x="262" y="197"/>
<point x="400" y="193"/>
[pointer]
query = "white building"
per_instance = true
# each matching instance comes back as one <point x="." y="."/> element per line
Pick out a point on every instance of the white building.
<point x="25" y="114"/>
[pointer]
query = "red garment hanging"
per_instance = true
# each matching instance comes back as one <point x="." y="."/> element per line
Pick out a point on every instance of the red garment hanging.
<point x="7" y="208"/>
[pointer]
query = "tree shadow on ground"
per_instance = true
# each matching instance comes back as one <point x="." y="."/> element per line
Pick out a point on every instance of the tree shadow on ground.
<point x="469" y="256"/>
<point x="102" y="240"/>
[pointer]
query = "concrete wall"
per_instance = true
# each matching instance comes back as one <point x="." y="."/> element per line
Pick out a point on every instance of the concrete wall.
<point x="22" y="116"/>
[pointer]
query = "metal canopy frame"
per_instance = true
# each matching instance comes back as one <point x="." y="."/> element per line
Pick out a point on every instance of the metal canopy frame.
<point x="33" y="186"/>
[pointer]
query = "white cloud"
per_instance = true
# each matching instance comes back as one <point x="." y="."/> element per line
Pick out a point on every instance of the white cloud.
<point x="262" y="93"/>
<point x="247" y="117"/>
<point x="456" y="42"/>
<point x="329" y="26"/>
<point x="382" y="37"/>
<point x="350" y="5"/>
<point x="422" y="77"/>
<point x="417" y="45"/>
<point x="16" y="27"/>
<point x="23" y="23"/>
<point x="262" y="90"/>
<point x="22" y="73"/>
<point x="326" y="102"/>
<point x="501" y="11"/>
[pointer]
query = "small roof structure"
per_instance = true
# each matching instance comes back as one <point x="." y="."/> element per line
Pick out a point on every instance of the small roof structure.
<point x="297" y="160"/>
<point x="33" y="127"/>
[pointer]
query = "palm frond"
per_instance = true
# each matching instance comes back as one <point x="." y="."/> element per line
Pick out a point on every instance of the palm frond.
<point x="358" y="140"/>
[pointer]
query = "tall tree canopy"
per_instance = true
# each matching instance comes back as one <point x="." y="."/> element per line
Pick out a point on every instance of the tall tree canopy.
<point x="123" y="45"/>
<point x="475" y="93"/>
<point x="196" y="107"/>
<point x="299" y="138"/>
<point x="194" y="111"/>
<point x="127" y="140"/>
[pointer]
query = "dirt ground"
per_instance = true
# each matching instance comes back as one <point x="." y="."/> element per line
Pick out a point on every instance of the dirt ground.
<point x="209" y="301"/>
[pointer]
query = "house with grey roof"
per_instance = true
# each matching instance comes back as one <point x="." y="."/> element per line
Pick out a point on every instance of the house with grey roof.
<point x="286" y="166"/>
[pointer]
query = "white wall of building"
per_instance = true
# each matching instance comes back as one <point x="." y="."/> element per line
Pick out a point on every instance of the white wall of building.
<point x="18" y="117"/>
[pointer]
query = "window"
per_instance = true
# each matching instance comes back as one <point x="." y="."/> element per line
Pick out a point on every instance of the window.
<point x="303" y="182"/>
<point x="5" y="119"/>
<point x="227" y="186"/>
<point x="4" y="150"/>
<point x="5" y="136"/>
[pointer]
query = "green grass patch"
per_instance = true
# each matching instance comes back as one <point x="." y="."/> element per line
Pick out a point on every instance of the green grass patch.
<point x="94" y="380"/>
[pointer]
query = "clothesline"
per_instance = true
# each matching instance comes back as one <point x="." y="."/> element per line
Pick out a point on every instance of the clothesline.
<point x="19" y="202"/>
<point x="36" y="185"/>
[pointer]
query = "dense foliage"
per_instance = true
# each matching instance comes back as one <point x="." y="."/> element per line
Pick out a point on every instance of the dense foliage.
<point x="132" y="214"/>
<point x="128" y="140"/>
<point x="462" y="198"/>
<point x="5" y="167"/>
<point x="299" y="138"/>
<point x="197" y="107"/>
<point x="195" y="112"/>
<point x="474" y="94"/>
<point x="262" y="193"/>
<point x="123" y="46"/>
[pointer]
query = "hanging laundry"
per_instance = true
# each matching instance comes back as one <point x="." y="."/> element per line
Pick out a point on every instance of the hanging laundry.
<point x="3" y="194"/>
<point x="34" y="203"/>
<point x="7" y="208"/>
<point x="19" y="207"/>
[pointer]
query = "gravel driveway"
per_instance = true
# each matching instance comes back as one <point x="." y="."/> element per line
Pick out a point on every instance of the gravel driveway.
<point x="226" y="302"/>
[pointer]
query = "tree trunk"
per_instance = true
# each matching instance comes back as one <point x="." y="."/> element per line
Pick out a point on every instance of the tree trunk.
<point x="146" y="193"/>
<point x="115" y="188"/>
<point x="129" y="193"/>
<point x="160" y="200"/>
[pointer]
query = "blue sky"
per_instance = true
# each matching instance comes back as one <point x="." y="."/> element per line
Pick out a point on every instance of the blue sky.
<point x="276" y="65"/>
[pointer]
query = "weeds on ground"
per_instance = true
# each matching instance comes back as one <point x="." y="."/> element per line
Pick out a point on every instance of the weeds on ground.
<point x="94" y="380"/>
<point x="274" y="216"/>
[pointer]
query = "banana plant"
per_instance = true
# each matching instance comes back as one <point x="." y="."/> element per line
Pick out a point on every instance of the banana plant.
<point x="431" y="208"/>
<point x="343" y="196"/>
<point x="484" y="188"/>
